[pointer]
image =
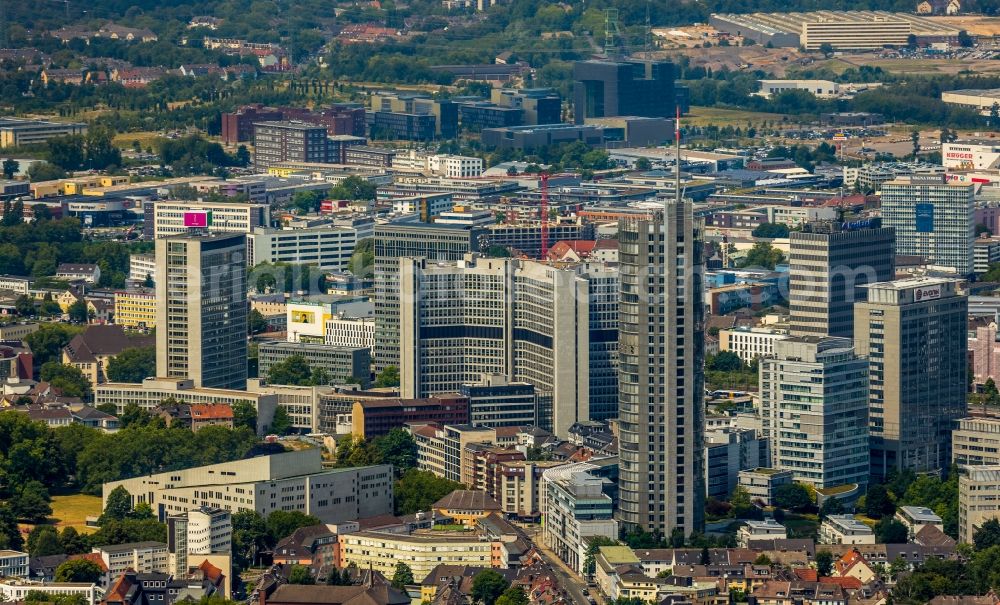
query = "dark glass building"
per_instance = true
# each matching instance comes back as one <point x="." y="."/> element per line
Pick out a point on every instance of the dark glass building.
<point x="603" y="88"/>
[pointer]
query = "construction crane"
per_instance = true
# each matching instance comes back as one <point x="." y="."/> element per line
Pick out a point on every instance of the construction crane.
<point x="545" y="214"/>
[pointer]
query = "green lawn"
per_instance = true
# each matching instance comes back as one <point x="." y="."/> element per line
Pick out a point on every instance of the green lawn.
<point x="72" y="510"/>
<point x="801" y="527"/>
<point x="448" y="527"/>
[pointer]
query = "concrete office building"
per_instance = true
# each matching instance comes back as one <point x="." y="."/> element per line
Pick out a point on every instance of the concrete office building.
<point x="575" y="510"/>
<point x="301" y="402"/>
<point x="933" y="218"/>
<point x="340" y="363"/>
<point x="494" y="401"/>
<point x="412" y="116"/>
<point x="140" y="267"/>
<point x="422" y="552"/>
<point x="827" y="264"/>
<point x="539" y="105"/>
<point x="606" y="88"/>
<point x="661" y="381"/>
<point x="978" y="499"/>
<point x="975" y="441"/>
<point x="528" y="321"/>
<point x="844" y="30"/>
<point x="170" y="217"/>
<point x="201" y="531"/>
<point x="141" y="557"/>
<point x="408" y="237"/>
<point x="350" y="332"/>
<point x="814" y="410"/>
<point x="13" y="564"/>
<point x="152" y="391"/>
<point x="913" y="332"/>
<point x="292" y="481"/>
<point x="276" y="142"/>
<point x="15" y="132"/>
<point x="327" y="247"/>
<point x="750" y="343"/>
<point x="727" y="452"/>
<point x="372" y="418"/>
<point x="202" y="319"/>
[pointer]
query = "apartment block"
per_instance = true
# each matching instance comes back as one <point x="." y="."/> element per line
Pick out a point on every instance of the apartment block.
<point x="292" y="481"/>
<point x="13" y="564"/>
<point x="288" y="141"/>
<point x="845" y="529"/>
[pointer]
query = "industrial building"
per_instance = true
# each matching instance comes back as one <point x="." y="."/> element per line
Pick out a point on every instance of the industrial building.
<point x="16" y="132"/>
<point x="980" y="99"/>
<point x="843" y="30"/>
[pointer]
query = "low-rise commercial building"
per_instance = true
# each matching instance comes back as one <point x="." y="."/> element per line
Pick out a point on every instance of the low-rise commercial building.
<point x="292" y="481"/>
<point x="16" y="132"/>
<point x="768" y="529"/>
<point x="422" y="551"/>
<point x="136" y="309"/>
<point x="13" y="564"/>
<point x="341" y="364"/>
<point x="141" y="557"/>
<point x="375" y="417"/>
<point x="760" y="483"/>
<point x="845" y="529"/>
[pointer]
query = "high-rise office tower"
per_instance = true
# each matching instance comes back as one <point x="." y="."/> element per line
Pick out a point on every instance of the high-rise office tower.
<point x="661" y="378"/>
<point x="828" y="261"/>
<point x="913" y="332"/>
<point x="606" y="88"/>
<point x="201" y="322"/>
<point x="409" y="237"/>
<point x="550" y="327"/>
<point x="933" y="218"/>
<point x="814" y="410"/>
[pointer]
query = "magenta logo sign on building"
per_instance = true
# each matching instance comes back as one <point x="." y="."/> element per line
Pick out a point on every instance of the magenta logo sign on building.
<point x="197" y="219"/>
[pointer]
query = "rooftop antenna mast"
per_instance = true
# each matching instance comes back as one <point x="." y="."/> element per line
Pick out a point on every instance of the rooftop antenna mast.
<point x="677" y="152"/>
<point x="610" y="32"/>
<point x="648" y="37"/>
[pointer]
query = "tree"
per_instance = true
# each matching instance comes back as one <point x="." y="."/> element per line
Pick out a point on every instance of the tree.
<point x="282" y="422"/>
<point x="305" y="202"/>
<point x="78" y="312"/>
<point x="487" y="586"/>
<point x="826" y="48"/>
<point x="762" y="559"/>
<point x="43" y="540"/>
<point x="73" y="543"/>
<point x="49" y="339"/>
<point x="258" y="324"/>
<point x="890" y="531"/>
<point x="249" y="537"/>
<point x="824" y="563"/>
<point x="763" y="255"/>
<point x="67" y="152"/>
<point x="10" y="534"/>
<point x="244" y="414"/>
<point x="78" y="570"/>
<point x="496" y="251"/>
<point x="132" y="365"/>
<point x="283" y="523"/>
<point x="397" y="448"/>
<point x="388" y="377"/>
<point x="792" y="496"/>
<point x="118" y="507"/>
<point x="878" y="502"/>
<point x="300" y="574"/>
<point x="68" y="379"/>
<point x="31" y="503"/>
<point x="295" y="370"/>
<point x="831" y="506"/>
<point x="724" y="361"/>
<point x="988" y="535"/>
<point x="643" y="164"/>
<point x="362" y="262"/>
<point x="771" y="230"/>
<point x="45" y="171"/>
<point x="336" y="577"/>
<point x="10" y="168"/>
<point x="417" y="490"/>
<point x="353" y="188"/>
<point x="594" y="544"/>
<point x="403" y="575"/>
<point x="513" y="596"/>
<point x="24" y="306"/>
